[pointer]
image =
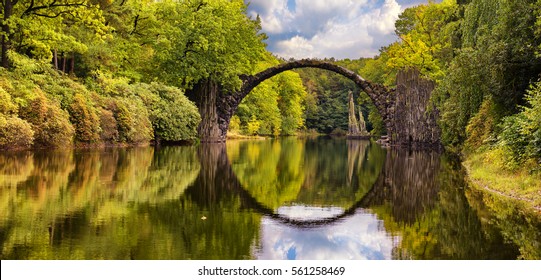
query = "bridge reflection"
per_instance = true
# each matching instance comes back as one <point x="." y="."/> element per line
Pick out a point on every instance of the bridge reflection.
<point x="261" y="199"/>
<point x="405" y="179"/>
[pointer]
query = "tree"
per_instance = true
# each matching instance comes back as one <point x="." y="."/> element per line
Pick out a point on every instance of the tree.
<point x="424" y="40"/>
<point x="205" y="46"/>
<point x="34" y="27"/>
<point x="128" y="49"/>
<point x="496" y="60"/>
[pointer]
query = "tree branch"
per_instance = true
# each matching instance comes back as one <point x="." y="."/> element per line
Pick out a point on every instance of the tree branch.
<point x="52" y="16"/>
<point x="32" y="8"/>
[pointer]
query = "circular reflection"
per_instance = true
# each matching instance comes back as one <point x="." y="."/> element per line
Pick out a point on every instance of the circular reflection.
<point x="357" y="237"/>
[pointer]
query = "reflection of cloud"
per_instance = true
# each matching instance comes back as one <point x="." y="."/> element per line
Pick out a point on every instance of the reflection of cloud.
<point x="360" y="236"/>
<point x="307" y="213"/>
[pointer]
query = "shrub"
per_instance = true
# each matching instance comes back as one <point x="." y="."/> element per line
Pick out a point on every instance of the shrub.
<point x="6" y="105"/>
<point x="253" y="126"/>
<point x="289" y="125"/>
<point x="84" y="119"/>
<point x="108" y="124"/>
<point x="480" y="127"/>
<point x="521" y="133"/>
<point x="173" y="116"/>
<point x="50" y="123"/>
<point x="234" y="124"/>
<point x="132" y="120"/>
<point x="15" y="133"/>
<point x="339" y="132"/>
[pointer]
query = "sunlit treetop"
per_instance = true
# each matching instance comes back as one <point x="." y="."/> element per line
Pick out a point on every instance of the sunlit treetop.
<point x="206" y="40"/>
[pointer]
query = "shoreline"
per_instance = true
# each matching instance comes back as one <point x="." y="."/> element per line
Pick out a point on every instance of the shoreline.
<point x="485" y="187"/>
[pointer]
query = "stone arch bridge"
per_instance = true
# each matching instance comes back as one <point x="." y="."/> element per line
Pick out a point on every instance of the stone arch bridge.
<point x="404" y="109"/>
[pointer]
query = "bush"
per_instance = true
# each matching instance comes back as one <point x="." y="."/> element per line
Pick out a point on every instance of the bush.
<point x="132" y="120"/>
<point x="6" y="106"/>
<point x="253" y="126"/>
<point x="84" y="119"/>
<point x="234" y="124"/>
<point x="339" y="132"/>
<point x="51" y="124"/>
<point x="173" y="116"/>
<point x="480" y="127"/>
<point x="521" y="133"/>
<point x="15" y="133"/>
<point x="108" y="124"/>
<point x="289" y="126"/>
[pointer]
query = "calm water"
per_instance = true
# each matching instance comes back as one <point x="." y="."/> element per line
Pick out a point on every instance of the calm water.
<point x="271" y="199"/>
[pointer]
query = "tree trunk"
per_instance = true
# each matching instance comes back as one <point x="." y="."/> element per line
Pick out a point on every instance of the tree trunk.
<point x="72" y="64"/>
<point x="63" y="62"/>
<point x="55" y="59"/>
<point x="205" y="95"/>
<point x="6" y="40"/>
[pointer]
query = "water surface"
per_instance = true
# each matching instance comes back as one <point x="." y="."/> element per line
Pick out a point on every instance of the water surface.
<point x="262" y="199"/>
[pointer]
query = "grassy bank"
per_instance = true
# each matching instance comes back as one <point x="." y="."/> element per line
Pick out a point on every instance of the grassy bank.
<point x="488" y="174"/>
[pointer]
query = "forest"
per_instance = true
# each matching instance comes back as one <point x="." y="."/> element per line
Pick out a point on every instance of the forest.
<point x="125" y="72"/>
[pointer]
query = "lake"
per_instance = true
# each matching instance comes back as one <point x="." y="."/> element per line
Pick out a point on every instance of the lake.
<point x="286" y="198"/>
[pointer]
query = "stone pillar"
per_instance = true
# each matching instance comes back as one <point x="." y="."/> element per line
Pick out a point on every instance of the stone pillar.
<point x="353" y="125"/>
<point x="413" y="117"/>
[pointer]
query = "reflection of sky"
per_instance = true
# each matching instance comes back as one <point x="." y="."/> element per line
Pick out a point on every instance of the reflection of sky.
<point x="307" y="213"/>
<point x="360" y="236"/>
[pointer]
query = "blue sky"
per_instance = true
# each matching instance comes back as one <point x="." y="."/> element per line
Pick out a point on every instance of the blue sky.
<point x="325" y="28"/>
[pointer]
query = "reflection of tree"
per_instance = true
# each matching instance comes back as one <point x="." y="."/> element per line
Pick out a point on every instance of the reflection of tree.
<point x="424" y="204"/>
<point x="271" y="171"/>
<point x="311" y="172"/>
<point x="518" y="225"/>
<point x="339" y="173"/>
<point x="84" y="204"/>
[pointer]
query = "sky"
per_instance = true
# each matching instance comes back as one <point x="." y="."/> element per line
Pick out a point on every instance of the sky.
<point x="328" y="28"/>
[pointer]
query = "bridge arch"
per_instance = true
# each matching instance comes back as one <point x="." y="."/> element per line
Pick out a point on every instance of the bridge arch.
<point x="228" y="103"/>
<point x="376" y="92"/>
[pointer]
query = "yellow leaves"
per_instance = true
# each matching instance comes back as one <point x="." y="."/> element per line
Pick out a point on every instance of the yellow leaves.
<point x="424" y="39"/>
<point x="417" y="53"/>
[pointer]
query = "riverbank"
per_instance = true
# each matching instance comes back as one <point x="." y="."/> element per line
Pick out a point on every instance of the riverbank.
<point x="520" y="185"/>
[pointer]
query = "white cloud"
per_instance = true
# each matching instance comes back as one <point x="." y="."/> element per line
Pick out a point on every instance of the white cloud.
<point x="319" y="28"/>
<point x="274" y="14"/>
<point x="367" y="239"/>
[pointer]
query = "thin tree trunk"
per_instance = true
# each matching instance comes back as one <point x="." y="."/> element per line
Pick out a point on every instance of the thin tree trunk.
<point x="63" y="62"/>
<point x="55" y="59"/>
<point x="72" y="66"/>
<point x="6" y="40"/>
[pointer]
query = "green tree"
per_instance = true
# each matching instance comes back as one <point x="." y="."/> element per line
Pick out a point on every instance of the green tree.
<point x="38" y="27"/>
<point x="496" y="60"/>
<point x="128" y="48"/>
<point x="205" y="46"/>
<point x="424" y="38"/>
<point x="291" y="94"/>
